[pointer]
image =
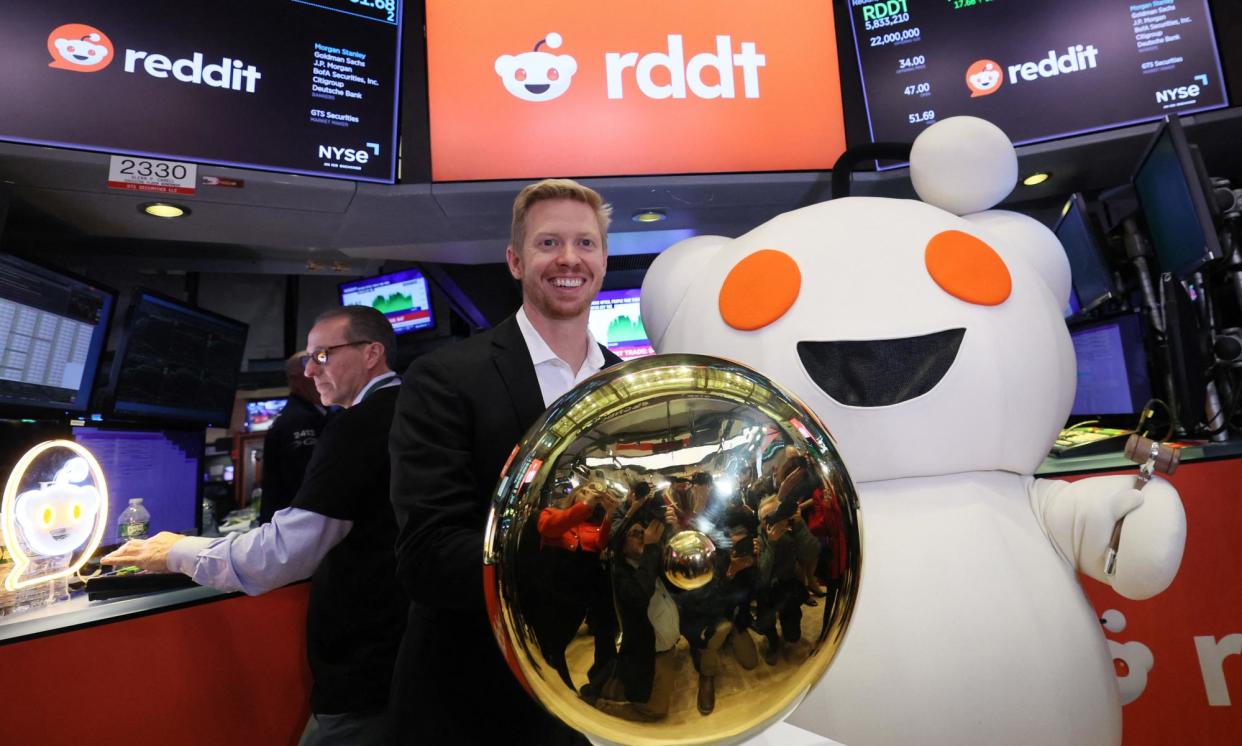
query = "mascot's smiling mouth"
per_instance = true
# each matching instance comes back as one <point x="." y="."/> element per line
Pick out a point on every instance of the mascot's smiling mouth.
<point x="880" y="372"/>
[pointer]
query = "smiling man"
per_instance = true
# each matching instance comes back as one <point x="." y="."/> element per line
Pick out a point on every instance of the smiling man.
<point x="339" y="532"/>
<point x="460" y="412"/>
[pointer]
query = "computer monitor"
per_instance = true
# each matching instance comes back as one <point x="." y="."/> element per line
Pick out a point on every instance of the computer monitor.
<point x="1092" y="277"/>
<point x="1175" y="201"/>
<point x="53" y="326"/>
<point x="615" y="321"/>
<point x="403" y="297"/>
<point x="1112" y="368"/>
<point x="261" y="413"/>
<point x="177" y="362"/>
<point x="162" y="466"/>
<point x="1188" y="356"/>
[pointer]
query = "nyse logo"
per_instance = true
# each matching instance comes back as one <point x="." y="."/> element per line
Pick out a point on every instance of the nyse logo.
<point x="351" y="159"/>
<point x="1181" y="95"/>
<point x="1177" y="94"/>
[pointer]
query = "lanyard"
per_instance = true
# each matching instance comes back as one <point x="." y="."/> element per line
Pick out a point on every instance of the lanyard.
<point x="382" y="383"/>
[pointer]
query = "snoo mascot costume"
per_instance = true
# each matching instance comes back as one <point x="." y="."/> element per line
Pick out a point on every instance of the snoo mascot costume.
<point x="928" y="336"/>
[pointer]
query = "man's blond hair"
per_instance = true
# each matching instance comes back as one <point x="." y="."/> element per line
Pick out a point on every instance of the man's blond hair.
<point x="557" y="189"/>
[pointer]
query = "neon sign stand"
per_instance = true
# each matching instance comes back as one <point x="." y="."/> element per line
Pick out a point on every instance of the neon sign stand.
<point x="63" y="517"/>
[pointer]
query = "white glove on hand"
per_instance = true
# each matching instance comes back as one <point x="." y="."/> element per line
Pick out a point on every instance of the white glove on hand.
<point x="1079" y="518"/>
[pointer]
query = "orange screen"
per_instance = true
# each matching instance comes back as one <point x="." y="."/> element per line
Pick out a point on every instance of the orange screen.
<point x="566" y="88"/>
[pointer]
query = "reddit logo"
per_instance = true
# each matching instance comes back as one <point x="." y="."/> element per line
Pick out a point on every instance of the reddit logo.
<point x="76" y="46"/>
<point x="1132" y="661"/>
<point x="535" y="75"/>
<point x="983" y="78"/>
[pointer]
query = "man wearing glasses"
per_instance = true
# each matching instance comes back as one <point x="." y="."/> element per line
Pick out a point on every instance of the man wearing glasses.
<point x="339" y="531"/>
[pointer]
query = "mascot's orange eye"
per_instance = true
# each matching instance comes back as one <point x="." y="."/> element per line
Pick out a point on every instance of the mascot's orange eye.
<point x="519" y="75"/>
<point x="967" y="268"/>
<point x="47" y="516"/>
<point x="759" y="290"/>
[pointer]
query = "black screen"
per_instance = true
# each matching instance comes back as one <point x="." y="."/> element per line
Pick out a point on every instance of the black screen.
<point x="1037" y="70"/>
<point x="285" y="85"/>
<point x="1093" y="281"/>
<point x="178" y="362"/>
<point x="1175" y="203"/>
<point x="52" y="330"/>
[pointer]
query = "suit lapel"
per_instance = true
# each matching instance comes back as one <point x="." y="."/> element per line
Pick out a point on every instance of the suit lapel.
<point x="512" y="361"/>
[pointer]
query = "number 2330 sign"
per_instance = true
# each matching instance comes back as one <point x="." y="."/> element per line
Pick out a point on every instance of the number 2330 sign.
<point x="151" y="175"/>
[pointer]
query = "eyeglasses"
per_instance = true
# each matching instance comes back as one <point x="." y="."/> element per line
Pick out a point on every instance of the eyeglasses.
<point x="320" y="356"/>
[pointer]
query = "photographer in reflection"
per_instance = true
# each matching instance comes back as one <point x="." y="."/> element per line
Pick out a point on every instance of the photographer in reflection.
<point x="642" y="686"/>
<point x="574" y="581"/>
<point x="741" y="584"/>
<point x="781" y="590"/>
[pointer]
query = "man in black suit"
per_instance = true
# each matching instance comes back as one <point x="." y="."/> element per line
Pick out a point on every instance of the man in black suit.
<point x="461" y="411"/>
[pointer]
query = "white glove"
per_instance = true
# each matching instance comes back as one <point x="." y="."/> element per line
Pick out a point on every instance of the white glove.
<point x="1079" y="518"/>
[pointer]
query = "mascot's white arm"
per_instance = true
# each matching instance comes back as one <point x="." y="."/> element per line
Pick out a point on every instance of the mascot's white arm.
<point x="1079" y="517"/>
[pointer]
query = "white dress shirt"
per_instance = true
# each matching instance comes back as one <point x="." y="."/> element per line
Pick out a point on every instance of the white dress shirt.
<point x="554" y="374"/>
<point x="287" y="549"/>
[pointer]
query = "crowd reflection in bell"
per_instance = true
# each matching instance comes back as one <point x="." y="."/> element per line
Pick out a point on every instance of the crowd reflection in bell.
<point x="638" y="629"/>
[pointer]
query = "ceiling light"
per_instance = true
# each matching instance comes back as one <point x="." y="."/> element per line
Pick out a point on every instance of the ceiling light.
<point x="1038" y="177"/>
<point x="649" y="216"/>
<point x="163" y="210"/>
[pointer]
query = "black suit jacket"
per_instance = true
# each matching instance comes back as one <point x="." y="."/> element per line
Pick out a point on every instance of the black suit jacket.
<point x="461" y="411"/>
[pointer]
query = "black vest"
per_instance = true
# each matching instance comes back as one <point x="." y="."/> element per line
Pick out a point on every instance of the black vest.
<point x="357" y="609"/>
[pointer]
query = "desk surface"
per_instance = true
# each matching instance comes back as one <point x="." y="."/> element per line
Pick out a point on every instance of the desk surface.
<point x="1053" y="466"/>
<point x="79" y="612"/>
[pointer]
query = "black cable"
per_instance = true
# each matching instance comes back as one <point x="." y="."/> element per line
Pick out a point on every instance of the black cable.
<point x="844" y="167"/>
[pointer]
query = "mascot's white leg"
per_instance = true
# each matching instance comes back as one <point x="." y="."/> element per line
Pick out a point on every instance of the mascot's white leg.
<point x="970" y="628"/>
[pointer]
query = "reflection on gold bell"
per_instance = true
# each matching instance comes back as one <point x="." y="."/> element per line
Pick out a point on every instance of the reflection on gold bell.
<point x="688" y="560"/>
<point x="632" y="633"/>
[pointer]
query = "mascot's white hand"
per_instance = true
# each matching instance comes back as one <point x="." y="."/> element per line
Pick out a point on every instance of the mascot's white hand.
<point x="1079" y="518"/>
<point x="1097" y="517"/>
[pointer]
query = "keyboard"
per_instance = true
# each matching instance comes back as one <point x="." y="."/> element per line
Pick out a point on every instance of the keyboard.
<point x="1090" y="441"/>
<point x="130" y="584"/>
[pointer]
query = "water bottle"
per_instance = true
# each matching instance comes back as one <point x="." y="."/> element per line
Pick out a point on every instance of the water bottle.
<point x="134" y="522"/>
<point x="209" y="519"/>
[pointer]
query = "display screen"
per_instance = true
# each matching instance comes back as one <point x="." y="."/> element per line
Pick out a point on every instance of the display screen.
<point x="523" y="90"/>
<point x="160" y="466"/>
<point x="1037" y="70"/>
<point x="402" y="297"/>
<point x="1112" y="368"/>
<point x="261" y="413"/>
<point x="616" y="322"/>
<point x="1174" y="202"/>
<point x="281" y="85"/>
<point x="52" y="330"/>
<point x="1092" y="278"/>
<point x="178" y="362"/>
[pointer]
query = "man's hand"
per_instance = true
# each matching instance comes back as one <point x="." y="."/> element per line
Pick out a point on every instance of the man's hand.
<point x="777" y="530"/>
<point x="737" y="564"/>
<point x="147" y="554"/>
<point x="653" y="533"/>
